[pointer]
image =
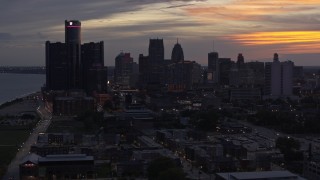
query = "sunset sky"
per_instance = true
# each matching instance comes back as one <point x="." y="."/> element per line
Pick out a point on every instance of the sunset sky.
<point x="255" y="28"/>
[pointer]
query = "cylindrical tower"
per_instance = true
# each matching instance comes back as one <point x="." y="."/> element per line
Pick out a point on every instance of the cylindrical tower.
<point x="73" y="31"/>
<point x="73" y="44"/>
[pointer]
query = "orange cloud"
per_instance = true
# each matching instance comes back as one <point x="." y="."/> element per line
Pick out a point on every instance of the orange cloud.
<point x="287" y="41"/>
<point x="265" y="38"/>
<point x="279" y="2"/>
<point x="248" y="10"/>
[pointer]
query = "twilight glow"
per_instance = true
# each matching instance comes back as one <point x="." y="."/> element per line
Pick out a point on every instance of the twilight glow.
<point x="284" y="37"/>
<point x="256" y="28"/>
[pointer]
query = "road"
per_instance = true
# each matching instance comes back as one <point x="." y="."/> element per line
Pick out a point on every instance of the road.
<point x="273" y="135"/>
<point x="43" y="124"/>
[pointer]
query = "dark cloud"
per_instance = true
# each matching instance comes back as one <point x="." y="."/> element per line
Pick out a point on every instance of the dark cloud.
<point x="26" y="25"/>
<point x="5" y="36"/>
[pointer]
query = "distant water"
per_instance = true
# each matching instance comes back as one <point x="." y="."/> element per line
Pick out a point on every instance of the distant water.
<point x="17" y="85"/>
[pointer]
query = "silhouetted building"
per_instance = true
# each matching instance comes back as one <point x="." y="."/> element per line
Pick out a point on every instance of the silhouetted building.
<point x="245" y="93"/>
<point x="225" y="65"/>
<point x="73" y="45"/>
<point x="156" y="51"/>
<point x="151" y="67"/>
<point x="298" y="72"/>
<point x="213" y="68"/>
<point x="156" y="58"/>
<point x="93" y="71"/>
<point x="258" y="72"/>
<point x="96" y="80"/>
<point x="69" y="65"/>
<point x="144" y="70"/>
<point x="72" y="105"/>
<point x="123" y="69"/>
<point x="240" y="61"/>
<point x="177" y="53"/>
<point x="56" y="66"/>
<point x="183" y="76"/>
<point x="278" y="77"/>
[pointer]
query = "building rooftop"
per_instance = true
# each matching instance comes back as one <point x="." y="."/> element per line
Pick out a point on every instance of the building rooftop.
<point x="66" y="157"/>
<point x="278" y="175"/>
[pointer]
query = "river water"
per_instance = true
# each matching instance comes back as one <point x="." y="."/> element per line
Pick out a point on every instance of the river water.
<point x="17" y="85"/>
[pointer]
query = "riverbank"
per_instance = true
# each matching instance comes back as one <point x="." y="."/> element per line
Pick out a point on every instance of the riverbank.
<point x="15" y="86"/>
<point x="26" y="103"/>
<point x="19" y="113"/>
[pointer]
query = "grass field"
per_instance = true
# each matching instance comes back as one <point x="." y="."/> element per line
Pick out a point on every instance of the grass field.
<point x="10" y="141"/>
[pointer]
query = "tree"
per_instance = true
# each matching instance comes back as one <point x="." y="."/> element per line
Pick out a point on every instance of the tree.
<point x="290" y="149"/>
<point x="285" y="144"/>
<point x="172" y="173"/>
<point x="164" y="168"/>
<point x="205" y="121"/>
<point x="108" y="105"/>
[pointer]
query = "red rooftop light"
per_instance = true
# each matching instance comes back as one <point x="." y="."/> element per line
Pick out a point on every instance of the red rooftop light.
<point x="73" y="26"/>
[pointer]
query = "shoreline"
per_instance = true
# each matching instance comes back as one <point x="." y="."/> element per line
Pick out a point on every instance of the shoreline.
<point x="20" y="97"/>
<point x="16" y="99"/>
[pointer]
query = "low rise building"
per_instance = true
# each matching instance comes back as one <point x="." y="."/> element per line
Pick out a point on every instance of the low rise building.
<point x="262" y="175"/>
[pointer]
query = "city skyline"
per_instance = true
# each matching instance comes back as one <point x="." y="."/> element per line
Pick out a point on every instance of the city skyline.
<point x="254" y="28"/>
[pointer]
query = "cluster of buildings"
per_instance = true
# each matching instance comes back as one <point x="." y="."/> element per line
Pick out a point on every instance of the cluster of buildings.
<point x="74" y="72"/>
<point x="75" y="67"/>
<point x="244" y="80"/>
<point x="129" y="137"/>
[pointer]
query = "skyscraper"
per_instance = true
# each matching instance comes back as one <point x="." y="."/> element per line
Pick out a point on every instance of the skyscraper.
<point x="151" y="67"/>
<point x="123" y="69"/>
<point x="225" y="65"/>
<point x="56" y="66"/>
<point x="177" y="53"/>
<point x="68" y="64"/>
<point x="278" y="78"/>
<point x="94" y="73"/>
<point x="73" y="44"/>
<point x="213" y="67"/>
<point x="240" y="61"/>
<point x="156" y="51"/>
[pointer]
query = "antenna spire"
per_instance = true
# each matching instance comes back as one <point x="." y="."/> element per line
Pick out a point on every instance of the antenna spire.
<point x="213" y="45"/>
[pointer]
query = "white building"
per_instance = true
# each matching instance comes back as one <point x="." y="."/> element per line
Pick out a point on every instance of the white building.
<point x="278" y="78"/>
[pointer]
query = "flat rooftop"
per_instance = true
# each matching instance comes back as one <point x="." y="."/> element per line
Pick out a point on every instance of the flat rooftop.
<point x="278" y="175"/>
<point x="66" y="157"/>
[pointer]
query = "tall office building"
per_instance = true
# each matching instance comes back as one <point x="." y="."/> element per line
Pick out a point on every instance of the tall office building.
<point x="183" y="76"/>
<point x="123" y="69"/>
<point x="56" y="66"/>
<point x="151" y="67"/>
<point x="156" y="51"/>
<point x="258" y="71"/>
<point x="240" y="61"/>
<point x="177" y="53"/>
<point x="213" y="67"/>
<point x="225" y="65"/>
<point x="278" y="78"/>
<point x="68" y="64"/>
<point x="144" y="70"/>
<point x="94" y="73"/>
<point x="73" y="44"/>
<point x="287" y="78"/>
